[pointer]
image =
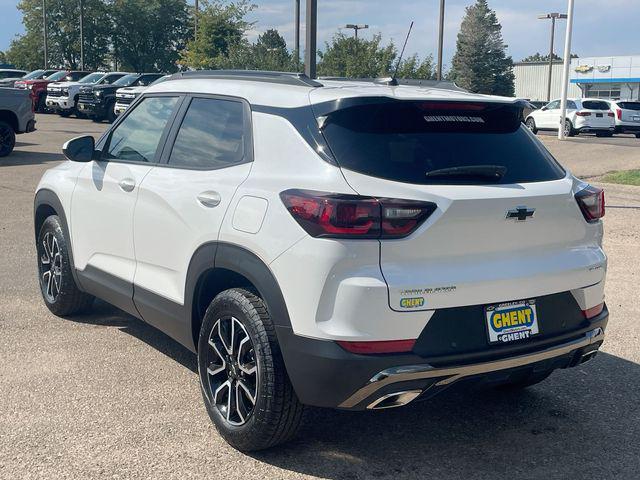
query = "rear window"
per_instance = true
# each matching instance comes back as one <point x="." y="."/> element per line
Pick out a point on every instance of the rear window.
<point x="438" y="143"/>
<point x="595" y="105"/>
<point x="630" y="106"/>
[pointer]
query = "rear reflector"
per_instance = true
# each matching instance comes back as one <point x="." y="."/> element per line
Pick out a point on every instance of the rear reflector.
<point x="593" y="311"/>
<point x="330" y="215"/>
<point x="591" y="203"/>
<point x="385" y="346"/>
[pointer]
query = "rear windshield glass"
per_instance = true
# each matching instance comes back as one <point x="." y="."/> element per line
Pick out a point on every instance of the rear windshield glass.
<point x="438" y="143"/>
<point x="595" y="105"/>
<point x="630" y="105"/>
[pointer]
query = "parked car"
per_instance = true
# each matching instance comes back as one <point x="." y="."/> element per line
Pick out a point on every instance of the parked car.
<point x="38" y="87"/>
<point x="583" y="115"/>
<point x="328" y="243"/>
<point x="9" y="75"/>
<point x="627" y="116"/>
<point x="16" y="117"/>
<point x="34" y="75"/>
<point x="97" y="102"/>
<point x="125" y="96"/>
<point x="63" y="97"/>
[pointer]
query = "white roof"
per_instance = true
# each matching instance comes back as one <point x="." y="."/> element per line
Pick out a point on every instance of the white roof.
<point x="289" y="96"/>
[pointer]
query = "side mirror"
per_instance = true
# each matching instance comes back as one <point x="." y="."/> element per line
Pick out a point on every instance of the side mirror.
<point x="543" y="108"/>
<point x="80" y="149"/>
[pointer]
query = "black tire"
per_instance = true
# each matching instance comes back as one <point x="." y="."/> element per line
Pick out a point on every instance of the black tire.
<point x="569" y="131"/>
<point x="637" y="135"/>
<point x="7" y="139"/>
<point x="275" y="414"/>
<point x="531" y="125"/>
<point x="96" y="119"/>
<point x="58" y="287"/>
<point x="526" y="380"/>
<point x="65" y="113"/>
<point x="111" y="115"/>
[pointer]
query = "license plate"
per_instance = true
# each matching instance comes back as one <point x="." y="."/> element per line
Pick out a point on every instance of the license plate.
<point x="599" y="115"/>
<point x="636" y="119"/>
<point x="512" y="321"/>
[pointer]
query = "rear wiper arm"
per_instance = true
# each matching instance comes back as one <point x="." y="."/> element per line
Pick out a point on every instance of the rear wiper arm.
<point x="489" y="172"/>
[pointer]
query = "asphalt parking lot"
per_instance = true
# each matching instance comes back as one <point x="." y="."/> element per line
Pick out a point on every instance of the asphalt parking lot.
<point x="106" y="396"/>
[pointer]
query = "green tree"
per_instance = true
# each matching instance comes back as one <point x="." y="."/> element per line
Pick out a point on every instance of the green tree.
<point x="412" y="67"/>
<point x="538" y="57"/>
<point x="352" y="57"/>
<point x="148" y="35"/>
<point x="63" y="34"/>
<point x="268" y="53"/>
<point x="3" y="57"/>
<point x="480" y="63"/>
<point x="221" y="31"/>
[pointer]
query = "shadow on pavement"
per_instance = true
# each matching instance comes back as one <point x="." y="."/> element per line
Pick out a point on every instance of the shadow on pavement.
<point x="580" y="423"/>
<point x="18" y="158"/>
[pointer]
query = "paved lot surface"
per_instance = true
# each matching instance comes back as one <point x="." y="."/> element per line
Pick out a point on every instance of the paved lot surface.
<point x="106" y="396"/>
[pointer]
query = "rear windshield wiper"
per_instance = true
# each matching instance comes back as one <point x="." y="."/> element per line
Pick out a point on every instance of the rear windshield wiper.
<point x="484" y="172"/>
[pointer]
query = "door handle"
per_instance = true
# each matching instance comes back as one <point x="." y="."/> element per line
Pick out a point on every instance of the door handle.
<point x="209" y="199"/>
<point x="127" y="184"/>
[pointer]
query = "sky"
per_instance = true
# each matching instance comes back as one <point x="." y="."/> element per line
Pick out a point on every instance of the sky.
<point x="601" y="27"/>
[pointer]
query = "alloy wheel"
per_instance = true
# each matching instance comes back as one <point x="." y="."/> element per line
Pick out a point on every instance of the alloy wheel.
<point x="567" y="128"/>
<point x="51" y="266"/>
<point x="232" y="371"/>
<point x="530" y="124"/>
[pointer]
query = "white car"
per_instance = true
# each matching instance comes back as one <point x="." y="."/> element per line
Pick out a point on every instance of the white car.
<point x="62" y="97"/>
<point x="339" y="244"/>
<point x="125" y="96"/>
<point x="583" y="115"/>
<point x="627" y="116"/>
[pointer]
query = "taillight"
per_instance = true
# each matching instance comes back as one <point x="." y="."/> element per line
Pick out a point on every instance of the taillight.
<point x="331" y="215"/>
<point x="583" y="114"/>
<point x="619" y="113"/>
<point x="591" y="202"/>
<point x="593" y="311"/>
<point x="384" y="346"/>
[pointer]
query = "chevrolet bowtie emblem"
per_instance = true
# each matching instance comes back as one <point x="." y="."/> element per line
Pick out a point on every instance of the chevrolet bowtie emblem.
<point x="520" y="213"/>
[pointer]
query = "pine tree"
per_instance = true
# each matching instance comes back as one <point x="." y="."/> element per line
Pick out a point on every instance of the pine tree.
<point x="480" y="63"/>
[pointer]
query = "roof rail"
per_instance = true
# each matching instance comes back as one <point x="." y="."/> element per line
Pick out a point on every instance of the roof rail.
<point x="285" y="78"/>
<point x="445" y="85"/>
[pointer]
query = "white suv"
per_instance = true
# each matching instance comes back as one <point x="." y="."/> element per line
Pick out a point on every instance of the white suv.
<point x="330" y="243"/>
<point x="583" y="115"/>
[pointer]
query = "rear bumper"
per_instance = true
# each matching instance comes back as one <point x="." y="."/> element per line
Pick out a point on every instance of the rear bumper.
<point x="92" y="109"/>
<point x="622" y="128"/>
<point x="589" y="128"/>
<point x="325" y="375"/>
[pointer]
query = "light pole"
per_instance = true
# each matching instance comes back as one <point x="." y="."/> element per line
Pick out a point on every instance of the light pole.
<point x="553" y="16"/>
<point x="355" y="27"/>
<point x="297" y="34"/>
<point x="81" y="35"/>
<point x="312" y="40"/>
<point x="195" y="20"/>
<point x="565" y="73"/>
<point x="44" y="31"/>
<point x="440" y="41"/>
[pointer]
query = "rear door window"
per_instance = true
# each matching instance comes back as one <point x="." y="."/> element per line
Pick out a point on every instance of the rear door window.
<point x="630" y="106"/>
<point x="438" y="143"/>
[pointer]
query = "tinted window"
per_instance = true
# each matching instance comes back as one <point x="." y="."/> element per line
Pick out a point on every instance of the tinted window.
<point x="571" y="105"/>
<point x="553" y="105"/>
<point x="91" y="78"/>
<point x="75" y="76"/>
<point x="111" y="78"/>
<point x="629" y="105"/>
<point x="408" y="141"/>
<point x="56" y="77"/>
<point x="136" y="138"/>
<point x="595" y="105"/>
<point x="34" y="74"/>
<point x="212" y="135"/>
<point x="148" y="79"/>
<point x="127" y="80"/>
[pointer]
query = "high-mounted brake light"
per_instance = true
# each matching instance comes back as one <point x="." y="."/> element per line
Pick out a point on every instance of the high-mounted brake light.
<point x="591" y="202"/>
<point x="331" y="215"/>
<point x="384" y="346"/>
<point x="583" y="114"/>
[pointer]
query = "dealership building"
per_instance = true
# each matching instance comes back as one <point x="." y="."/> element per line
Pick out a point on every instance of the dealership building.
<point x="593" y="77"/>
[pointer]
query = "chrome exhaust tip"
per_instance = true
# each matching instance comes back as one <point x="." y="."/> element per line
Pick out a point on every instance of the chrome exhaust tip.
<point x="393" y="400"/>
<point x="588" y="356"/>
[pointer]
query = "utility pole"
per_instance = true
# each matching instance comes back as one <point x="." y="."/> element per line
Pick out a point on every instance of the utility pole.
<point x="312" y="40"/>
<point x="355" y="27"/>
<point x="44" y="32"/>
<point x="565" y="74"/>
<point x="297" y="33"/>
<point x="196" y="10"/>
<point x="81" y="35"/>
<point x="553" y="16"/>
<point x="440" y="41"/>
